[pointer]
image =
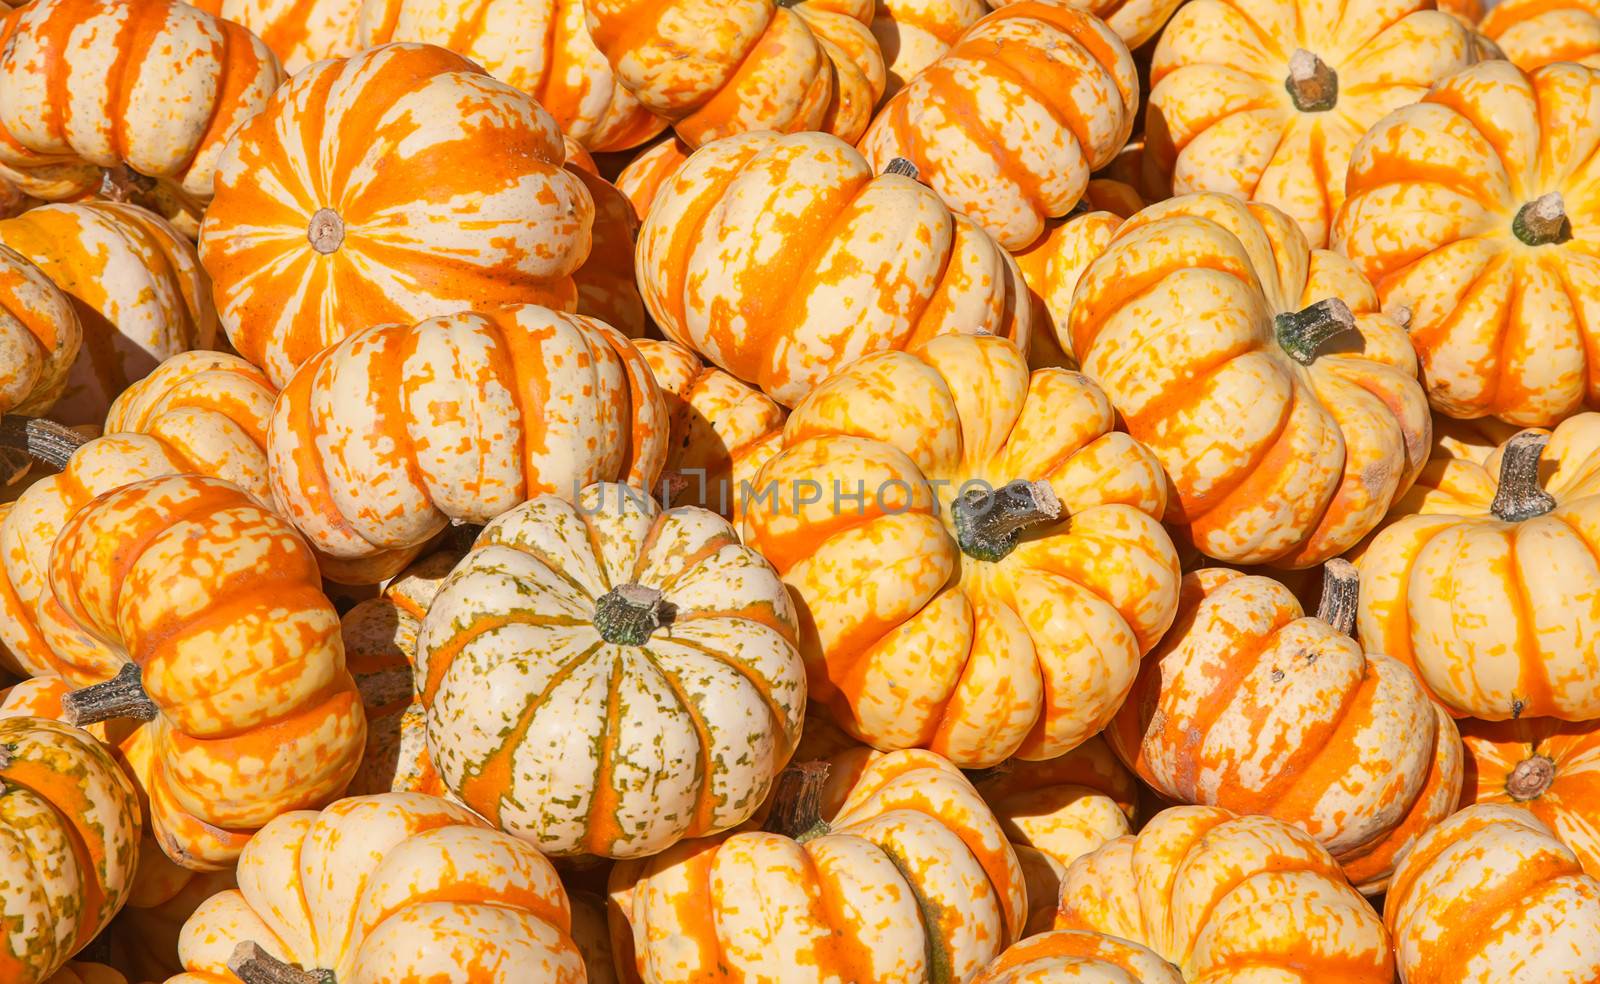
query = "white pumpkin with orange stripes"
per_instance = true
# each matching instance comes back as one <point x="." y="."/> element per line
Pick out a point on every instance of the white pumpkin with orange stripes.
<point x="299" y="32"/>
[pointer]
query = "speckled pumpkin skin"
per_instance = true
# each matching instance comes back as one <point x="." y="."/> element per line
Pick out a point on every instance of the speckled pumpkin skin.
<point x="909" y="641"/>
<point x="1135" y="21"/>
<point x="644" y="176"/>
<point x="1496" y="618"/>
<point x="397" y="887"/>
<point x="1271" y="461"/>
<point x="1221" y="118"/>
<point x="69" y="836"/>
<point x="1536" y="33"/>
<point x="782" y="259"/>
<point x="1076" y="957"/>
<point x="1499" y="326"/>
<point x="913" y="874"/>
<point x="469" y="210"/>
<point x="1223" y="896"/>
<point x="1490" y="896"/>
<point x="1008" y="123"/>
<point x="912" y="34"/>
<point x="299" y="32"/>
<point x="219" y="602"/>
<point x="39" y="336"/>
<point x="1570" y="804"/>
<point x="159" y="89"/>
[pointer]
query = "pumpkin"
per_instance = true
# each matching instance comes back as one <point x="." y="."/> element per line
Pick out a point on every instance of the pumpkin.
<point x="912" y="34"/>
<point x="1135" y="21"/>
<point x="1548" y="768"/>
<point x="911" y="879"/>
<point x="1536" y="33"/>
<point x="976" y="552"/>
<point x="419" y="888"/>
<point x="720" y="431"/>
<point x="1283" y="405"/>
<point x="1008" y="123"/>
<point x="40" y="336"/>
<point x="539" y="46"/>
<point x="1490" y="597"/>
<point x="1070" y="955"/>
<point x="783" y="258"/>
<point x="1491" y="261"/>
<point x="1249" y="706"/>
<point x="162" y="87"/>
<point x="1491" y="895"/>
<point x="144" y="937"/>
<point x="715" y="69"/>
<point x="298" y="32"/>
<point x="81" y="972"/>
<point x="471" y="213"/>
<point x="606" y="677"/>
<point x="379" y="442"/>
<point x="591" y="931"/>
<point x="136" y="286"/>
<point x="1224" y="897"/>
<point x="606" y="286"/>
<point x="644" y="176"/>
<point x="1266" y="105"/>
<point x="228" y="648"/>
<point x="69" y="821"/>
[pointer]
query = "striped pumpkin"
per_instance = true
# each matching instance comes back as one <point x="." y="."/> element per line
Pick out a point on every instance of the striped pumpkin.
<point x="716" y="68"/>
<point x="1075" y="957"/>
<point x="607" y="288"/>
<point x="151" y="99"/>
<point x="1227" y="898"/>
<point x="1064" y="94"/>
<point x="379" y="442"/>
<point x="912" y="34"/>
<point x="1491" y="897"/>
<point x="1249" y="706"/>
<point x="783" y="258"/>
<point x="411" y="220"/>
<point x="644" y="176"/>
<point x="230" y="651"/>
<point x="1549" y="768"/>
<point x="918" y="882"/>
<point x="608" y="678"/>
<point x="420" y="890"/>
<point x="977" y="549"/>
<point x="39" y="336"/>
<point x="539" y="46"/>
<point x="1135" y="21"/>
<point x="136" y="285"/>
<point x="299" y="32"/>
<point x="144" y="937"/>
<point x="1536" y="33"/>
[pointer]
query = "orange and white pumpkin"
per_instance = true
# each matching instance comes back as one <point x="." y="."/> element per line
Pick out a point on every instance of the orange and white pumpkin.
<point x="1475" y="210"/>
<point x="1226" y="897"/>
<point x="1008" y="123"/>
<point x="1491" y="597"/>
<point x="1536" y="33"/>
<point x="644" y="176"/>
<point x="607" y="287"/>
<point x="1550" y="768"/>
<point x="1070" y="956"/>
<point x="912" y="34"/>
<point x="910" y="880"/>
<point x="1283" y="405"/>
<point x="419" y="889"/>
<point x="717" y="68"/>
<point x="1135" y="21"/>
<point x="152" y="88"/>
<point x="447" y="192"/>
<point x="379" y="442"/>
<point x="40" y="336"/>
<point x="784" y="258"/>
<point x="299" y="32"/>
<point x="1490" y="896"/>
<point x="977" y="550"/>
<point x="1266" y="104"/>
<point x="144" y="937"/>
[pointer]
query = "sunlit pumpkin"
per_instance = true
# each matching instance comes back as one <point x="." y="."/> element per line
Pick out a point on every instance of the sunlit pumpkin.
<point x="1536" y="33"/>
<point x="1549" y="768"/>
<point x="299" y="32"/>
<point x="1080" y="956"/>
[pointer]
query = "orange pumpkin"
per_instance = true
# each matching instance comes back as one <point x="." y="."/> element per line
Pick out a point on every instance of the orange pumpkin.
<point x="1550" y="768"/>
<point x="379" y="442"/>
<point x="152" y="98"/>
<point x="1135" y="21"/>
<point x="716" y="68"/>
<point x="1490" y="896"/>
<point x="912" y="34"/>
<point x="606" y="285"/>
<point x="409" y="221"/>
<point x="81" y="972"/>
<point x="1536" y="33"/>
<point x="644" y="176"/>
<point x="299" y="32"/>
<point x="1282" y="404"/>
<point x="144" y="937"/>
<point x="976" y="551"/>
<point x="39" y="336"/>
<point x="1073" y="955"/>
<point x="783" y="258"/>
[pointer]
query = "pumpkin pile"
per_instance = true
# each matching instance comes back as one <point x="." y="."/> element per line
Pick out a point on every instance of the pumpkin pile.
<point x="799" y="492"/>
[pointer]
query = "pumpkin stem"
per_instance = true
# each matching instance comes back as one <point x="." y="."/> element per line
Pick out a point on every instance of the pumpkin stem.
<point x="797" y="802"/>
<point x="1519" y="496"/>
<point x="253" y="965"/>
<point x="1542" y="221"/>
<point x="1531" y="778"/>
<point x="122" y="696"/>
<point x="989" y="522"/>
<point x="904" y="168"/>
<point x="628" y="614"/>
<point x="1303" y="334"/>
<point x="40" y="439"/>
<point x="1312" y="85"/>
<point x="1341" y="588"/>
<point x="325" y="231"/>
<point x="123" y="184"/>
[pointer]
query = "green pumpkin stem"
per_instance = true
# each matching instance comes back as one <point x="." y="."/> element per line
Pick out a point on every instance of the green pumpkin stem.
<point x="1312" y="85"/>
<point x="1520" y="496"/>
<point x="122" y="696"/>
<point x="628" y="614"/>
<point x="42" y="440"/>
<point x="1341" y="589"/>
<point x="989" y="522"/>
<point x="253" y="965"/>
<point x="1543" y="221"/>
<point x="1531" y="778"/>
<point x="1304" y="334"/>
<point x="797" y="802"/>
